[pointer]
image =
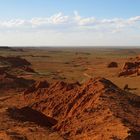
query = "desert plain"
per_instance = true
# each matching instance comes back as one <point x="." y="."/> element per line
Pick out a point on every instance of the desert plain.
<point x="72" y="93"/>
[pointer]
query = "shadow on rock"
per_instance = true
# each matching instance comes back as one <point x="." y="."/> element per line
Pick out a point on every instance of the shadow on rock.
<point x="28" y="114"/>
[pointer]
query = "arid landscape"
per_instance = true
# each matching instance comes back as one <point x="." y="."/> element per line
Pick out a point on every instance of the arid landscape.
<point x="67" y="93"/>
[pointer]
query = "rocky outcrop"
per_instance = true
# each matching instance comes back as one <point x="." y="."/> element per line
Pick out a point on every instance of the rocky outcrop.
<point x="113" y="65"/>
<point x="97" y="109"/>
<point x="8" y="81"/>
<point x="10" y="63"/>
<point x="130" y="68"/>
<point x="14" y="61"/>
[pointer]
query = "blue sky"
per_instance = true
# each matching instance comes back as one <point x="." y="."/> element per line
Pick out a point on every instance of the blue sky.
<point x="97" y="8"/>
<point x="70" y="22"/>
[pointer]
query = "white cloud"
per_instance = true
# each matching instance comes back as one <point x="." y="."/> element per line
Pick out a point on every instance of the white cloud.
<point x="61" y="29"/>
<point x="72" y="21"/>
<point x="56" y="19"/>
<point x="134" y="19"/>
<point x="84" y="21"/>
<point x="12" y="23"/>
<point x="53" y="20"/>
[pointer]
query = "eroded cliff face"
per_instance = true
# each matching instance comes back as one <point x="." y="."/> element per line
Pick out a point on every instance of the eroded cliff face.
<point x="97" y="109"/>
<point x="9" y="82"/>
<point x="15" y="65"/>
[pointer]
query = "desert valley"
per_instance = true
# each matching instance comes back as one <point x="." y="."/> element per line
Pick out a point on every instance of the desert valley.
<point x="69" y="93"/>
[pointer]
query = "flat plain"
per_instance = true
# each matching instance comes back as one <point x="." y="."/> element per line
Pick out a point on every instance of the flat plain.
<point x="78" y="64"/>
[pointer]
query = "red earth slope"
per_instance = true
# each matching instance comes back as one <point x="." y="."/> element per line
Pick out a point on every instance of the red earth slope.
<point x="97" y="109"/>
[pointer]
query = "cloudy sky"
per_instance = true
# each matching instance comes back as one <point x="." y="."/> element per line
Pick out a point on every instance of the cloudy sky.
<point x="70" y="22"/>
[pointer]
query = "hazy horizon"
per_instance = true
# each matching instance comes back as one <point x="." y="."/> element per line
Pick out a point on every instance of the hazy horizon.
<point x="87" y="47"/>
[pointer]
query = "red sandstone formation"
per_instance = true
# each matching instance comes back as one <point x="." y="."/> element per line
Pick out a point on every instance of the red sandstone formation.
<point x="95" y="110"/>
<point x="8" y="81"/>
<point x="16" y="62"/>
<point x="130" y="68"/>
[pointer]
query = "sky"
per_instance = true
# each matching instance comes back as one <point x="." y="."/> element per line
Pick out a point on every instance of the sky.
<point x="69" y="22"/>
